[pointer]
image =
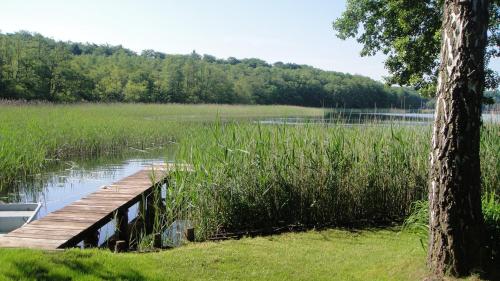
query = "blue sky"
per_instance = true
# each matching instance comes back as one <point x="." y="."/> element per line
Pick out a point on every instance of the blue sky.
<point x="273" y="30"/>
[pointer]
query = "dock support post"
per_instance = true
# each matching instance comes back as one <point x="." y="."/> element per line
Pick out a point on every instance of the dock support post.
<point x="157" y="241"/>
<point x="121" y="246"/>
<point x="91" y="240"/>
<point x="189" y="234"/>
<point x="150" y="212"/>
<point x="122" y="227"/>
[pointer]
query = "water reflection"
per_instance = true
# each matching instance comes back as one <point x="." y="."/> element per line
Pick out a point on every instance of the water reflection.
<point x="354" y="117"/>
<point x="69" y="181"/>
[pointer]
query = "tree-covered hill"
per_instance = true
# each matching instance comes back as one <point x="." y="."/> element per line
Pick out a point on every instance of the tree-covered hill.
<point x="34" y="67"/>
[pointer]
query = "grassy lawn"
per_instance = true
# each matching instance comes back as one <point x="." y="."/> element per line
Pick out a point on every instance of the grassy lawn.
<point x="323" y="255"/>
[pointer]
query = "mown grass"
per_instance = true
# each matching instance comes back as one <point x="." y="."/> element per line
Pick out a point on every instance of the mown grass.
<point x="314" y="255"/>
<point x="32" y="136"/>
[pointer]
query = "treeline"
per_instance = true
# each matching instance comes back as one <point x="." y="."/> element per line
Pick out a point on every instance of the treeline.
<point x="33" y="67"/>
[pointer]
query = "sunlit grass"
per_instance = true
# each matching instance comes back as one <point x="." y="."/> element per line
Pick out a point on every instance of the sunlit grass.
<point x="324" y="255"/>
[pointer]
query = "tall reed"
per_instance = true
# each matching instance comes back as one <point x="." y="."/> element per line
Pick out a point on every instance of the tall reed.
<point x="253" y="176"/>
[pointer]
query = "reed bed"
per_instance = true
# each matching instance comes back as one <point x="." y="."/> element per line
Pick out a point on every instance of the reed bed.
<point x="35" y="135"/>
<point x="252" y="176"/>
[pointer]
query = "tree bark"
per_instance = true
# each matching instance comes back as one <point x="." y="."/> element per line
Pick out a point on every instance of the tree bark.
<point x="456" y="220"/>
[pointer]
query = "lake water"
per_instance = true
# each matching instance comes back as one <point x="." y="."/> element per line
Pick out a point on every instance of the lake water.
<point x="361" y="117"/>
<point x="75" y="179"/>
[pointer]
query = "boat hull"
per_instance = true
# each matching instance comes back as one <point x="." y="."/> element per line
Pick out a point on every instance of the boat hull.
<point x="15" y="215"/>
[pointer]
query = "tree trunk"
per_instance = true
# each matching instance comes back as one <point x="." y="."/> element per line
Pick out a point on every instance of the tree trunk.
<point x="456" y="221"/>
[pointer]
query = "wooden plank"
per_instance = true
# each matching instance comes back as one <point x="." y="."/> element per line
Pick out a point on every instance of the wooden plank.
<point x="71" y="220"/>
<point x="104" y="200"/>
<point x="26" y="230"/>
<point x="72" y="214"/>
<point x="122" y="189"/>
<point x="74" y="218"/>
<point x="42" y="236"/>
<point x="80" y="208"/>
<point x="120" y="185"/>
<point x="45" y="222"/>
<point x="60" y="225"/>
<point x="138" y="182"/>
<point x="83" y="211"/>
<point x="87" y="215"/>
<point x="9" y="242"/>
<point x="98" y="196"/>
<point x="105" y="197"/>
<point x="120" y="194"/>
<point x="110" y="200"/>
<point x="88" y="202"/>
<point x="98" y="206"/>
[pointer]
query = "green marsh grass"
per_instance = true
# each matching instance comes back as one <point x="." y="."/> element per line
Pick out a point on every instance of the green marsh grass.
<point x="251" y="176"/>
<point x="33" y="135"/>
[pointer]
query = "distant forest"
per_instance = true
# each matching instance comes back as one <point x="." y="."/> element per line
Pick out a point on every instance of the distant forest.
<point x="34" y="67"/>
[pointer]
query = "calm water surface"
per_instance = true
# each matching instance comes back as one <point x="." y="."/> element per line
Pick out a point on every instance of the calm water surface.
<point x="363" y="117"/>
<point x="73" y="180"/>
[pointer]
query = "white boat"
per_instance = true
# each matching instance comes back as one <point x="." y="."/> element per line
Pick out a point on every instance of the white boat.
<point x="15" y="215"/>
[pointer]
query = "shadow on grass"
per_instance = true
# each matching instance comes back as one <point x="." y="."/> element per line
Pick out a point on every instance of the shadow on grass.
<point x="63" y="268"/>
<point x="359" y="227"/>
<point x="34" y="270"/>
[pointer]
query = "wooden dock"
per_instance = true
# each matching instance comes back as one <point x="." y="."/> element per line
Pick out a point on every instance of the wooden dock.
<point x="81" y="220"/>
